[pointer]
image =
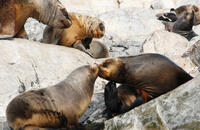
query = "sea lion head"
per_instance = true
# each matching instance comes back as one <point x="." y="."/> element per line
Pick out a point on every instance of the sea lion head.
<point x="52" y="13"/>
<point x="112" y="69"/>
<point x="180" y="11"/>
<point x="97" y="28"/>
<point x="185" y="23"/>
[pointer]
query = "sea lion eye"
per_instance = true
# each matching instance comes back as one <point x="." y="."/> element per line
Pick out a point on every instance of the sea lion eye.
<point x="101" y="26"/>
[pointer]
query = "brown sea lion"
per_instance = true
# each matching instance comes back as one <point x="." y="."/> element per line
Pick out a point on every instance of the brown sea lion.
<point x="83" y="29"/>
<point x="98" y="50"/>
<point x="58" y="106"/>
<point x="14" y="13"/>
<point x="150" y="74"/>
<point x="121" y="99"/>
<point x="184" y="25"/>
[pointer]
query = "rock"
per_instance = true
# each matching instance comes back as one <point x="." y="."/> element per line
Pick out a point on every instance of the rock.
<point x="171" y="45"/>
<point x="194" y="53"/>
<point x="178" y="109"/>
<point x="90" y="6"/>
<point x="185" y="2"/>
<point x="124" y="26"/>
<point x="135" y="3"/>
<point x="34" y="29"/>
<point x="161" y="4"/>
<point x="26" y="65"/>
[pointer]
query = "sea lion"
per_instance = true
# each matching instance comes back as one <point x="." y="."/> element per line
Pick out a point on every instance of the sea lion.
<point x="174" y="14"/>
<point x="14" y="13"/>
<point x="98" y="50"/>
<point x="83" y="29"/>
<point x="184" y="25"/>
<point x="150" y="74"/>
<point x="122" y="99"/>
<point x="58" y="106"/>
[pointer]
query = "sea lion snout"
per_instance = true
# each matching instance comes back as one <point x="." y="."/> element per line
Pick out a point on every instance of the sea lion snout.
<point x="99" y="30"/>
<point x="95" y="69"/>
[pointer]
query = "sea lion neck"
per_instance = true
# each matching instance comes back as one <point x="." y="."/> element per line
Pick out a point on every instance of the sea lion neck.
<point x="42" y="12"/>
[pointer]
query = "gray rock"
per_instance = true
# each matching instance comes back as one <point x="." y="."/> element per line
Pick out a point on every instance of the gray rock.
<point x="34" y="29"/>
<point x="171" y="45"/>
<point x="26" y="65"/>
<point x="125" y="25"/>
<point x="185" y="2"/>
<point x="178" y="109"/>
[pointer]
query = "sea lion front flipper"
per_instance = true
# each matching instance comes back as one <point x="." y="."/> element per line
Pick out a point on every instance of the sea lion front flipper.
<point x="86" y="42"/>
<point x="21" y="34"/>
<point x="80" y="47"/>
<point x="111" y="97"/>
<point x="139" y="101"/>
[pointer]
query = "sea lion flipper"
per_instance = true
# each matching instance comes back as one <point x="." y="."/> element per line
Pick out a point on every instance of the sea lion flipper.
<point x="80" y="47"/>
<point x="139" y="101"/>
<point x="111" y="97"/>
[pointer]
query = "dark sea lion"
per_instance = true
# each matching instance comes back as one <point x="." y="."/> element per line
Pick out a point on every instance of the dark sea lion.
<point x="58" y="106"/>
<point x="79" y="35"/>
<point x="184" y="25"/>
<point x="174" y="14"/>
<point x="14" y="13"/>
<point x="150" y="74"/>
<point x="121" y="99"/>
<point x="98" y="50"/>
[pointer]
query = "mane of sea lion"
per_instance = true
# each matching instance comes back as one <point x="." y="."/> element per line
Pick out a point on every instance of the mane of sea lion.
<point x="98" y="50"/>
<point x="184" y="25"/>
<point x="121" y="99"/>
<point x="58" y="106"/>
<point x="83" y="29"/>
<point x="150" y="74"/>
<point x="14" y="13"/>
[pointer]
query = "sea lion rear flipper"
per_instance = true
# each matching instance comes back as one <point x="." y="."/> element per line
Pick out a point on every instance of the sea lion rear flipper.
<point x="139" y="101"/>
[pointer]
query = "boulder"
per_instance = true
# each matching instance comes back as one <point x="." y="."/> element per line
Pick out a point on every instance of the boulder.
<point x="90" y="6"/>
<point x="178" y="109"/>
<point x="185" y="2"/>
<point x="171" y="45"/>
<point x="194" y="53"/>
<point x="126" y="29"/>
<point x="26" y="65"/>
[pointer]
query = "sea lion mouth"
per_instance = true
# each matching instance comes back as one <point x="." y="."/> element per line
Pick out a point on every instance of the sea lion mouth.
<point x="103" y="73"/>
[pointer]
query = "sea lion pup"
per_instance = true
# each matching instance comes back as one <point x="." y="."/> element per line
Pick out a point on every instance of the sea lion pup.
<point x="98" y="50"/>
<point x="14" y="13"/>
<point x="122" y="99"/>
<point x="150" y="74"/>
<point x="58" y="106"/>
<point x="83" y="29"/>
<point x="184" y="24"/>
